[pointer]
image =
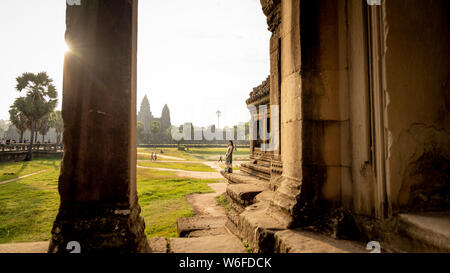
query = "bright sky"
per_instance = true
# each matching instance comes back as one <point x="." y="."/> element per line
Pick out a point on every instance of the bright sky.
<point x="197" y="56"/>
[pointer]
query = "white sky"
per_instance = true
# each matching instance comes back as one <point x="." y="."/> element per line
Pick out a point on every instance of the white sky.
<point x="197" y="56"/>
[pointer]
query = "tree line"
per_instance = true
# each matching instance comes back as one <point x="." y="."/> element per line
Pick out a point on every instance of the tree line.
<point x="35" y="111"/>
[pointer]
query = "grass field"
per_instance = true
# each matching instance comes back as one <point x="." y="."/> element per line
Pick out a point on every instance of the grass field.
<point x="193" y="153"/>
<point x="28" y="206"/>
<point x="11" y="170"/>
<point x="198" y="167"/>
<point x="163" y="200"/>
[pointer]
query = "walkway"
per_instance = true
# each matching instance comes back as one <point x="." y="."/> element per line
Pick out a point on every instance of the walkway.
<point x="20" y="177"/>
<point x="191" y="174"/>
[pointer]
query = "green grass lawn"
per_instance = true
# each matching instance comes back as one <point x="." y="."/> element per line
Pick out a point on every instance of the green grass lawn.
<point x="166" y="151"/>
<point x="198" y="167"/>
<point x="193" y="153"/>
<point x="11" y="170"/>
<point x="28" y="206"/>
<point x="217" y="151"/>
<point x="163" y="200"/>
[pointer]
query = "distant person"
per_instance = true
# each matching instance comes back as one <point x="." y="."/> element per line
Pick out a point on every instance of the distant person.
<point x="229" y="157"/>
<point x="156" y="158"/>
<point x="220" y="159"/>
<point x="151" y="157"/>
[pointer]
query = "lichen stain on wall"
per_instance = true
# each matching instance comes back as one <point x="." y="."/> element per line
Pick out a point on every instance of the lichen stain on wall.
<point x="424" y="170"/>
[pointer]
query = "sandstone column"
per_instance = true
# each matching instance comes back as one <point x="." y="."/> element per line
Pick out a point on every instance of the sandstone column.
<point x="314" y="112"/>
<point x="97" y="185"/>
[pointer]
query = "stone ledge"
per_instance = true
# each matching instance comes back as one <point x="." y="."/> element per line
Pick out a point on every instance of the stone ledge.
<point x="209" y="244"/>
<point x="430" y="231"/>
<point x="199" y="226"/>
<point x="158" y="244"/>
<point x="265" y="196"/>
<point x="301" y="241"/>
<point x="256" y="167"/>
<point x="244" y="193"/>
<point x="260" y="172"/>
<point x="242" y="178"/>
<point x="258" y="227"/>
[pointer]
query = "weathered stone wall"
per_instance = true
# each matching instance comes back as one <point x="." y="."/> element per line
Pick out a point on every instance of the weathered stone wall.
<point x="417" y="73"/>
<point x="363" y="124"/>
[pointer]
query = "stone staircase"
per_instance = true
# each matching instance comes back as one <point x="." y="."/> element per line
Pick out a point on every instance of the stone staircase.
<point x="261" y="171"/>
<point x="251" y="220"/>
<point x="204" y="234"/>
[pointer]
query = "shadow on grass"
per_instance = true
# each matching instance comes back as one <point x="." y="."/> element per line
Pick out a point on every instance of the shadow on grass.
<point x="28" y="208"/>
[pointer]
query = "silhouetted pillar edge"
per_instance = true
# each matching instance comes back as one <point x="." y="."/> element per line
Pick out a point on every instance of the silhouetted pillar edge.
<point x="97" y="185"/>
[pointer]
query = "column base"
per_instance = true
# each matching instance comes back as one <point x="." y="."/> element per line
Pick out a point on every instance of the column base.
<point x="100" y="229"/>
<point x="292" y="204"/>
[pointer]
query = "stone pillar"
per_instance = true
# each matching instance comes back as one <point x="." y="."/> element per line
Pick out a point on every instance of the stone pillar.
<point x="314" y="110"/>
<point x="272" y="9"/>
<point x="286" y="198"/>
<point x="99" y="207"/>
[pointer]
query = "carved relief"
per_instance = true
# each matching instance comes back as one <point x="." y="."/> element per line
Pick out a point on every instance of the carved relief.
<point x="271" y="9"/>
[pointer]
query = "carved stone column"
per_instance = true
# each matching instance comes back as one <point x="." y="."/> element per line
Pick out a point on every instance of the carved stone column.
<point x="99" y="207"/>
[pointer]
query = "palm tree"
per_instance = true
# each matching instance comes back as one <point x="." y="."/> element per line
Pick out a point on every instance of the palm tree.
<point x="57" y="124"/>
<point x="155" y="127"/>
<point x="18" y="119"/>
<point x="44" y="126"/>
<point x="140" y="132"/>
<point x="40" y="100"/>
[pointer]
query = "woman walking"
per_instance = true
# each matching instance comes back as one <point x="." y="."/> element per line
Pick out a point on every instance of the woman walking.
<point x="229" y="157"/>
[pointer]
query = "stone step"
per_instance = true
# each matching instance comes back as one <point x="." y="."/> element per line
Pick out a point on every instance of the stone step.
<point x="264" y="196"/>
<point x="199" y="226"/>
<point x="158" y="244"/>
<point x="244" y="194"/>
<point x="210" y="244"/>
<point x="257" y="227"/>
<point x="256" y="167"/>
<point x="233" y="214"/>
<point x="424" y="232"/>
<point x="262" y="172"/>
<point x="243" y="178"/>
<point x="301" y="241"/>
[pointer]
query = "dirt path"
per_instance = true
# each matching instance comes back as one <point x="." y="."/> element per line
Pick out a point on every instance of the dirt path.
<point x="165" y="156"/>
<point x="205" y="204"/>
<point x="189" y="174"/>
<point x="192" y="174"/>
<point x="20" y="177"/>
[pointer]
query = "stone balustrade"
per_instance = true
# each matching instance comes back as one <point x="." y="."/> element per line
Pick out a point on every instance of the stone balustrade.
<point x="20" y="147"/>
